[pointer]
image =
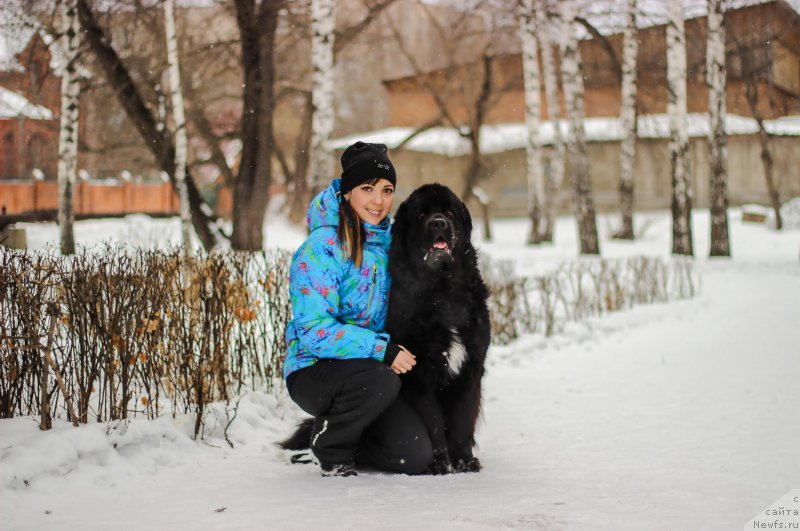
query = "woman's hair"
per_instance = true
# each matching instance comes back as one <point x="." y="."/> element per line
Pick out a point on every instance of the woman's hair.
<point x="350" y="232"/>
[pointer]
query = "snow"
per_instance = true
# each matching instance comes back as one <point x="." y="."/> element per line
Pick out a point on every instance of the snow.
<point x="608" y="16"/>
<point x="498" y="138"/>
<point x="15" y="105"/>
<point x="676" y="416"/>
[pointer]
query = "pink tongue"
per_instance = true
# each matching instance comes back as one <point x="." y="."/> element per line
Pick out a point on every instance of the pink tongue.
<point x="440" y="245"/>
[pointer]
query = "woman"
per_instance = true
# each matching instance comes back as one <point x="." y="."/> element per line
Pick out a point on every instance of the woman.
<point x="341" y="366"/>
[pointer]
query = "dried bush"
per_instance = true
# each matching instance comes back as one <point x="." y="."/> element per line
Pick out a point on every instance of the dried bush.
<point x="139" y="332"/>
<point x="151" y="332"/>
<point x="578" y="290"/>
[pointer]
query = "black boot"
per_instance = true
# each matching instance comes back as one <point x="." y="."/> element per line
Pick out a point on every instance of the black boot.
<point x="343" y="470"/>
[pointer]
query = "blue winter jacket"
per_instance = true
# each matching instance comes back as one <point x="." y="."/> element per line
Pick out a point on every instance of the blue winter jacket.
<point x="339" y="310"/>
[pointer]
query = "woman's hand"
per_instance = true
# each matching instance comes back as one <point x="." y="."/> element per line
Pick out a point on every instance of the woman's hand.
<point x="404" y="361"/>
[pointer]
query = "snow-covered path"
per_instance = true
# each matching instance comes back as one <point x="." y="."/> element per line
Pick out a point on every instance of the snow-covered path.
<point x="679" y="416"/>
<point x="665" y="417"/>
<point x="685" y="420"/>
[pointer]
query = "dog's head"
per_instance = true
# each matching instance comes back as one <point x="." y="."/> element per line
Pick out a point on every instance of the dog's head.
<point x="432" y="227"/>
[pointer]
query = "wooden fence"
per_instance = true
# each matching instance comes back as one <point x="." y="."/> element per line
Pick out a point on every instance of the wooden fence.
<point x="18" y="197"/>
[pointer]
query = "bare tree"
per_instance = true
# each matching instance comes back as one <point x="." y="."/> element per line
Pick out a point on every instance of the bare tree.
<point x="755" y="62"/>
<point x="181" y="143"/>
<point x="717" y="137"/>
<point x="68" y="137"/>
<point x="579" y="161"/>
<point x="322" y="119"/>
<point x="530" y="70"/>
<point x="469" y="84"/>
<point x="155" y="137"/>
<point x="628" y="118"/>
<point x="257" y="28"/>
<point x="293" y="149"/>
<point x="679" y="135"/>
<point x="548" y="26"/>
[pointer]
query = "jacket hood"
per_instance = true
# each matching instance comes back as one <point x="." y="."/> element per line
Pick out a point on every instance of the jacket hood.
<point x="324" y="212"/>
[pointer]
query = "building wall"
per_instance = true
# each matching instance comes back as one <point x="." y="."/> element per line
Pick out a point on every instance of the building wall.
<point x="774" y="45"/>
<point x="506" y="183"/>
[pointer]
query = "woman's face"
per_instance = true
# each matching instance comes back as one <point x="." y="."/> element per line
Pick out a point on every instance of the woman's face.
<point x="372" y="202"/>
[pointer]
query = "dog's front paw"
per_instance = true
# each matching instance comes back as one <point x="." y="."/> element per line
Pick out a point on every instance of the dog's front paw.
<point x="441" y="463"/>
<point x="470" y="464"/>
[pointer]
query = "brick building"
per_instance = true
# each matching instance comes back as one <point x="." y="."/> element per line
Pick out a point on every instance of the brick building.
<point x="31" y="96"/>
<point x="764" y="37"/>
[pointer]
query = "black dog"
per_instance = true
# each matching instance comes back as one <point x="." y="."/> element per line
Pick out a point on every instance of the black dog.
<point x="437" y="310"/>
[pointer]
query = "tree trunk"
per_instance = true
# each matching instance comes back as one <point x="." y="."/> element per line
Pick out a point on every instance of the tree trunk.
<point x="751" y="72"/>
<point x="628" y="118"/>
<point x="556" y="176"/>
<point x="299" y="195"/>
<point x="257" y="28"/>
<point x="579" y="162"/>
<point x="322" y="121"/>
<point x="717" y="138"/>
<point x="768" y="162"/>
<point x="181" y="144"/>
<point x="530" y="69"/>
<point x="155" y="138"/>
<point x="678" y="136"/>
<point x="68" y="136"/>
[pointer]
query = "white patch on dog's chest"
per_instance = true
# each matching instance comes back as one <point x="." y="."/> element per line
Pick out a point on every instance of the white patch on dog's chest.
<point x="457" y="354"/>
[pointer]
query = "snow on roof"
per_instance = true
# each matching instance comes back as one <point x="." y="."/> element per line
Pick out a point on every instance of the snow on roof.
<point x="15" y="105"/>
<point x="608" y="16"/>
<point x="497" y="138"/>
<point x="17" y="27"/>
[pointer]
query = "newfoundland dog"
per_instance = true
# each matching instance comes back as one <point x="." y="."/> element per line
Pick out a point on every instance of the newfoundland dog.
<point x="438" y="311"/>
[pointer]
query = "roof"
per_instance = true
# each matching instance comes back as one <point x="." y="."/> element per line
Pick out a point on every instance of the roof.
<point x="14" y="105"/>
<point x="497" y="138"/>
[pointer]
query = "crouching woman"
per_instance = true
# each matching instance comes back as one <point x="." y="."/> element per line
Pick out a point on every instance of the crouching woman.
<point x="341" y="366"/>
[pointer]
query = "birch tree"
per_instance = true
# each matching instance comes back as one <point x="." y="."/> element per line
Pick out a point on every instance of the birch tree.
<point x="630" y="50"/>
<point x="322" y="120"/>
<point x="717" y="138"/>
<point x="556" y="175"/>
<point x="181" y="144"/>
<point x="678" y="130"/>
<point x="68" y="135"/>
<point x="530" y="69"/>
<point x="579" y="161"/>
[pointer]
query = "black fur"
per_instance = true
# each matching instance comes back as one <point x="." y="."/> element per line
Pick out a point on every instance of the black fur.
<point x="438" y="292"/>
<point x="301" y="438"/>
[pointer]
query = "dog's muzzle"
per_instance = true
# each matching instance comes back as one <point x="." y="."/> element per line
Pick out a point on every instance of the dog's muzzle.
<point x="440" y="234"/>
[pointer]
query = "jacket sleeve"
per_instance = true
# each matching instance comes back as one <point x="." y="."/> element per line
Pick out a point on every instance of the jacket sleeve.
<point x="315" y="278"/>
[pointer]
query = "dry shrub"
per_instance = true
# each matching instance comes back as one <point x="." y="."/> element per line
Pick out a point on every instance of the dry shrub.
<point x="149" y="332"/>
<point x="140" y="332"/>
<point x="580" y="289"/>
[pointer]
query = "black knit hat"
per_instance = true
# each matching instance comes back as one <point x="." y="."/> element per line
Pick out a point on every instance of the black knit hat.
<point x="362" y="162"/>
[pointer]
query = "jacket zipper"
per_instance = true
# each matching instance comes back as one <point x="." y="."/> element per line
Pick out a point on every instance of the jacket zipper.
<point x="372" y="287"/>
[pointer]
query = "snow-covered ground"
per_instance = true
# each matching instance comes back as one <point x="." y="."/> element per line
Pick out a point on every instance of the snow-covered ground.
<point x="679" y="416"/>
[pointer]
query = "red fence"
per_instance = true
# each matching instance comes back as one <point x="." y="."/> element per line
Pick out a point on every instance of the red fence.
<point x="17" y="197"/>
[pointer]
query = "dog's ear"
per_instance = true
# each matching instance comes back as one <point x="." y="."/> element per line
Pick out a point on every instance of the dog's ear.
<point x="399" y="226"/>
<point x="463" y="213"/>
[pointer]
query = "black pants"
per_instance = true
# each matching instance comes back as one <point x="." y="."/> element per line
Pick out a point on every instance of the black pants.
<point x="358" y="416"/>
